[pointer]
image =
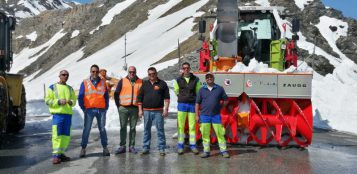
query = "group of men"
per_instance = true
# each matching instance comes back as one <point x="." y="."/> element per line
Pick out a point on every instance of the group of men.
<point x="136" y="98"/>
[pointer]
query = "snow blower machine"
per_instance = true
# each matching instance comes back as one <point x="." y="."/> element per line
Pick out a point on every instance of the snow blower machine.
<point x="270" y="108"/>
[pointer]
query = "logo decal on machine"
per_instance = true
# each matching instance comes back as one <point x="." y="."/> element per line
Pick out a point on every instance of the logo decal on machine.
<point x="227" y="82"/>
<point x="248" y="84"/>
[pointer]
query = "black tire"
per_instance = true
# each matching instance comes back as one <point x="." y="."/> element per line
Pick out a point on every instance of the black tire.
<point x="4" y="103"/>
<point x="17" y="120"/>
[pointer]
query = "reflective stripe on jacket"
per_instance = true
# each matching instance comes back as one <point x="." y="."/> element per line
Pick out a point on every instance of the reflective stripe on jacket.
<point x="94" y="95"/>
<point x="128" y="95"/>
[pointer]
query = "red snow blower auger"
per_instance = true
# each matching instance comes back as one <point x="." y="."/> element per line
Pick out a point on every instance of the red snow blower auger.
<point x="265" y="106"/>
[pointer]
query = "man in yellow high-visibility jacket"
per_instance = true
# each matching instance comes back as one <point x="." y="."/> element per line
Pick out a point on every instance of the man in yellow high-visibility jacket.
<point x="61" y="98"/>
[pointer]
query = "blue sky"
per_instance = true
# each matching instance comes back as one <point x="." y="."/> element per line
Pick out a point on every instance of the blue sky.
<point x="81" y="1"/>
<point x="348" y="7"/>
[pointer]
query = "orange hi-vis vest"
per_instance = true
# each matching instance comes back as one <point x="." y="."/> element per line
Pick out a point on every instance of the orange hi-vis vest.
<point x="94" y="96"/>
<point x="129" y="93"/>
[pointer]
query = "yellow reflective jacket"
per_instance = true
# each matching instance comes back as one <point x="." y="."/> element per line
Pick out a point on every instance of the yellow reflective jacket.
<point x="56" y="92"/>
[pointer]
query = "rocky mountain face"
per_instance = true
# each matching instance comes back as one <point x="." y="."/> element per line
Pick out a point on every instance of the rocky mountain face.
<point x="28" y="8"/>
<point x="86" y="21"/>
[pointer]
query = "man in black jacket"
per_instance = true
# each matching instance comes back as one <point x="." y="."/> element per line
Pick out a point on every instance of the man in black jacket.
<point x="186" y="87"/>
<point x="154" y="100"/>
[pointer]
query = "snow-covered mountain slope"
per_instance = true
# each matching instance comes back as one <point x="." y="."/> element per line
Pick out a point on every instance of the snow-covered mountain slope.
<point x="155" y="35"/>
<point x="29" y="8"/>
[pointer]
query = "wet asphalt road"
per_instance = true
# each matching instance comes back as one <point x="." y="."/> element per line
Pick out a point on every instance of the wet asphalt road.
<point x="30" y="152"/>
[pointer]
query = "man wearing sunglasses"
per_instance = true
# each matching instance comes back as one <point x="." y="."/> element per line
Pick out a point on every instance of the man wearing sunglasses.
<point x="126" y="100"/>
<point x="186" y="88"/>
<point x="154" y="100"/>
<point x="60" y="99"/>
<point x="93" y="99"/>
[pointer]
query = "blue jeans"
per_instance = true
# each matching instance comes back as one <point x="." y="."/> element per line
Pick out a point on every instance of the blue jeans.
<point x="149" y="117"/>
<point x="100" y="115"/>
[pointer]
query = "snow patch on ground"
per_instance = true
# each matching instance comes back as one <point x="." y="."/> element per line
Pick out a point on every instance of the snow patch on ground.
<point x="330" y="36"/>
<point x="301" y="3"/>
<point x="117" y="9"/>
<point x="32" y="36"/>
<point x="29" y="55"/>
<point x="166" y="64"/>
<point x="334" y="99"/>
<point x="263" y="2"/>
<point x="148" y="43"/>
<point x="303" y="44"/>
<point x="75" y="33"/>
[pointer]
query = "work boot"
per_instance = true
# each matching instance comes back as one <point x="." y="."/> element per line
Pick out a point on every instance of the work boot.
<point x="132" y="150"/>
<point x="83" y="153"/>
<point x="225" y="154"/>
<point x="180" y="148"/>
<point x="162" y="153"/>
<point x="64" y="158"/>
<point x="195" y="150"/>
<point x="180" y="151"/>
<point x="106" y="151"/>
<point x="145" y="152"/>
<point x="120" y="150"/>
<point x="205" y="155"/>
<point x="56" y="160"/>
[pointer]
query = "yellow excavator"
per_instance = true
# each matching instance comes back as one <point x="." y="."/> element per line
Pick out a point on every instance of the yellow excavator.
<point x="12" y="91"/>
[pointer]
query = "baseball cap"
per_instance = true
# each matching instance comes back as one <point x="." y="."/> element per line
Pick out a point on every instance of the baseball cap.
<point x="209" y="74"/>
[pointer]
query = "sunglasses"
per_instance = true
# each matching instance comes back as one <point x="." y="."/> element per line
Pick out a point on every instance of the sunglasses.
<point x="151" y="74"/>
<point x="132" y="72"/>
<point x="95" y="71"/>
<point x="65" y="75"/>
<point x="185" y="67"/>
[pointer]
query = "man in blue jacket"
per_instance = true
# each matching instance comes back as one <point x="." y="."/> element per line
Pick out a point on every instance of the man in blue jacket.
<point x="208" y="108"/>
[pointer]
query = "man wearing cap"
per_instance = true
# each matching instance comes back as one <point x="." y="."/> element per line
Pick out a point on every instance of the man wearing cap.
<point x="208" y="105"/>
<point x="186" y="88"/>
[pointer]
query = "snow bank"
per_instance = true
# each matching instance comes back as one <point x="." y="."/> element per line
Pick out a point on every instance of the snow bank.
<point x="334" y="98"/>
<point x="263" y="2"/>
<point x="301" y="3"/>
<point x="332" y="36"/>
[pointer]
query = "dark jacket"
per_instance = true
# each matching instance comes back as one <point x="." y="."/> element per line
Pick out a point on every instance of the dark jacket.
<point x="187" y="91"/>
<point x="152" y="96"/>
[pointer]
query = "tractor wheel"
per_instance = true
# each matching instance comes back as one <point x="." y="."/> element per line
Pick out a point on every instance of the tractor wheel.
<point x="4" y="106"/>
<point x="16" y="122"/>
